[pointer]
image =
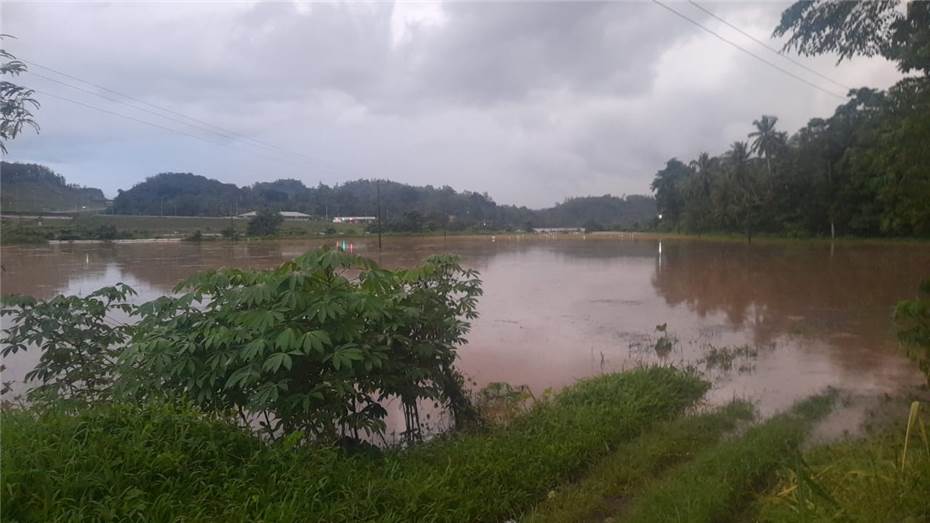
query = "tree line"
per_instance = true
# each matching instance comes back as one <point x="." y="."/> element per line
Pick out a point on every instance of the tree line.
<point x="863" y="171"/>
<point x="403" y="207"/>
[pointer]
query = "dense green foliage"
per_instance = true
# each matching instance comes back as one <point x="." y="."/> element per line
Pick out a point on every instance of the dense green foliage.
<point x="78" y="344"/>
<point x="626" y="470"/>
<point x="718" y="484"/>
<point x="912" y="318"/>
<point x="16" y="101"/>
<point x="29" y="187"/>
<point x="403" y="207"/>
<point x="180" y="194"/>
<point x="861" y="28"/>
<point x="860" y="172"/>
<point x="306" y="347"/>
<point x="168" y="463"/>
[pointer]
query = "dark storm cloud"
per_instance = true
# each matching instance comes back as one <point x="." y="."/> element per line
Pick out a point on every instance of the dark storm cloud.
<point x="531" y="102"/>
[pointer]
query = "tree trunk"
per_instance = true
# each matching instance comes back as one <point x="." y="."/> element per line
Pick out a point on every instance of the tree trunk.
<point x="832" y="230"/>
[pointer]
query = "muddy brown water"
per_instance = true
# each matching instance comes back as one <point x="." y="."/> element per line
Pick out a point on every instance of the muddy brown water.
<point x="556" y="310"/>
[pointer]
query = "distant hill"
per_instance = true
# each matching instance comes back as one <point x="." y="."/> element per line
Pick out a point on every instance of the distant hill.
<point x="404" y="207"/>
<point x="179" y="194"/>
<point x="600" y="212"/>
<point x="26" y="187"/>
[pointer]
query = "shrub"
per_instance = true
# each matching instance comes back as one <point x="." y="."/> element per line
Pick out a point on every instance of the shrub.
<point x="307" y="348"/>
<point x="314" y="346"/>
<point x="230" y="232"/>
<point x="106" y="231"/>
<point x="265" y="223"/>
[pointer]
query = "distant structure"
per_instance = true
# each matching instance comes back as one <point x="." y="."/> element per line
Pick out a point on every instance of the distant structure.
<point x="287" y="215"/>
<point x="354" y="219"/>
<point x="554" y="230"/>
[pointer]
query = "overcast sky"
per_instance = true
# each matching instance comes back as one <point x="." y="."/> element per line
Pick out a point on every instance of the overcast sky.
<point x="531" y="102"/>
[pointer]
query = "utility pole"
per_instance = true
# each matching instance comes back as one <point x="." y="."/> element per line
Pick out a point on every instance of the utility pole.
<point x="378" y="192"/>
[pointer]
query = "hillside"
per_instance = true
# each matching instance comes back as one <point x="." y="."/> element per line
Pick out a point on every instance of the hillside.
<point x="36" y="188"/>
<point x="403" y="207"/>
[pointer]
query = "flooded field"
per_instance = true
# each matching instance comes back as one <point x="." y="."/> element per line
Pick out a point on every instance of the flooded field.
<point x="772" y="322"/>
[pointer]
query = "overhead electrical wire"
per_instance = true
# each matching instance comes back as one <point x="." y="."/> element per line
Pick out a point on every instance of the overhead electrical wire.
<point x="767" y="46"/>
<point x="197" y="123"/>
<point x="750" y="53"/>
<point x="151" y="124"/>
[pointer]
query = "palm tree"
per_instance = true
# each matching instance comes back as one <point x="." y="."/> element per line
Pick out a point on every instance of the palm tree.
<point x="738" y="156"/>
<point x="739" y="153"/>
<point x="766" y="141"/>
<point x="700" y="188"/>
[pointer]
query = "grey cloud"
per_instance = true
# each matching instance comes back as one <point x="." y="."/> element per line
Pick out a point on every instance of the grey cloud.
<point x="531" y="102"/>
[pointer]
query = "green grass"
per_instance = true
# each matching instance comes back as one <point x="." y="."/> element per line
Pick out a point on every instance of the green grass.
<point x="85" y="227"/>
<point x="861" y="480"/>
<point x="770" y="238"/>
<point x="719" y="483"/>
<point x="169" y="463"/>
<point x="620" y="476"/>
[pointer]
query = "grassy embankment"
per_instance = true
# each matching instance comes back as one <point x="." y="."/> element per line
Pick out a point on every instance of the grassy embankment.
<point x="762" y="239"/>
<point x="687" y="470"/>
<point x="612" y="448"/>
<point x="108" y="227"/>
<point x="166" y="463"/>
<point x="94" y="226"/>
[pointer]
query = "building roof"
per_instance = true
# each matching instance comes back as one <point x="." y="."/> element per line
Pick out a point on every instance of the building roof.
<point x="285" y="214"/>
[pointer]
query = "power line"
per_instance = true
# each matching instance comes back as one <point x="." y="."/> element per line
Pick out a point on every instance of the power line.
<point x="121" y="115"/>
<point x="750" y="53"/>
<point x="146" y="122"/>
<point x="115" y="100"/>
<point x="216" y="129"/>
<point x="770" y="48"/>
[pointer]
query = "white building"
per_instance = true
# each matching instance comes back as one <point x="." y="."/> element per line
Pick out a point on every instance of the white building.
<point x="287" y="215"/>
<point x="354" y="219"/>
<point x="557" y="230"/>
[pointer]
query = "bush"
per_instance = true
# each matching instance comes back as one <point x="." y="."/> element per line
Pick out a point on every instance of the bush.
<point x="308" y="347"/>
<point x="265" y="223"/>
<point x="106" y="231"/>
<point x="230" y="232"/>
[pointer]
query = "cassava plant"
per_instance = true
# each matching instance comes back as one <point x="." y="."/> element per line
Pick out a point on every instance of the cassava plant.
<point x="314" y="346"/>
<point x="78" y="338"/>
